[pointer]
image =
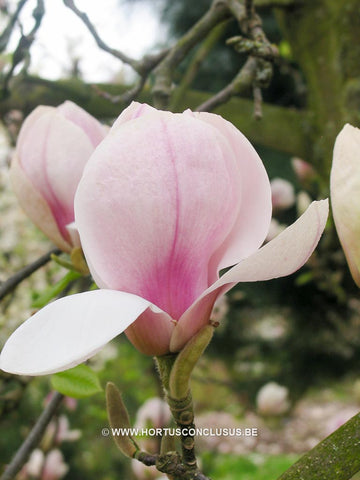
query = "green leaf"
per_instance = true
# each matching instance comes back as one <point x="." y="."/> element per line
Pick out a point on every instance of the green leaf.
<point x="53" y="291"/>
<point x="78" y="382"/>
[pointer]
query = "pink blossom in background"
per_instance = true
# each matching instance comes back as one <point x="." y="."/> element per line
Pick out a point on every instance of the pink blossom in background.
<point x="166" y="201"/>
<point x="53" y="147"/>
<point x="303" y="170"/>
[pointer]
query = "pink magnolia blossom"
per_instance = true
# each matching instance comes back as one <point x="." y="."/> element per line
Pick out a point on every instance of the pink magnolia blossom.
<point x="53" y="147"/>
<point x="303" y="170"/>
<point x="54" y="467"/>
<point x="166" y="201"/>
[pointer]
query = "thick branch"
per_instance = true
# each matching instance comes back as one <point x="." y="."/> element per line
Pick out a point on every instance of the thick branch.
<point x="33" y="438"/>
<point x="282" y="129"/>
<point x="11" y="283"/>
<point x="276" y="3"/>
<point x="336" y="458"/>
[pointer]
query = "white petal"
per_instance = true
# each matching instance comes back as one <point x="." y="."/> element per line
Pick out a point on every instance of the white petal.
<point x="70" y="330"/>
<point x="285" y="254"/>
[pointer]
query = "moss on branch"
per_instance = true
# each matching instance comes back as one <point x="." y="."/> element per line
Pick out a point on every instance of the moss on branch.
<point x="281" y="128"/>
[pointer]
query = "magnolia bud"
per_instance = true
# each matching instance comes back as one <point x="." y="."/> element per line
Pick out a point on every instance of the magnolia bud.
<point x="53" y="147"/>
<point x="282" y="194"/>
<point x="272" y="399"/>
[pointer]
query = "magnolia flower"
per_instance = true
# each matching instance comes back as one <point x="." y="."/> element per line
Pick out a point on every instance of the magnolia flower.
<point x="272" y="399"/>
<point x="54" y="466"/>
<point x="303" y="170"/>
<point x="282" y="194"/>
<point x="303" y="201"/>
<point x="165" y="202"/>
<point x="34" y="465"/>
<point x="53" y="147"/>
<point x="345" y="189"/>
<point x="154" y="412"/>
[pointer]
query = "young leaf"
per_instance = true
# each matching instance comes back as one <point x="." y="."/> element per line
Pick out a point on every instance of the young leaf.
<point x="78" y="382"/>
<point x="54" y="290"/>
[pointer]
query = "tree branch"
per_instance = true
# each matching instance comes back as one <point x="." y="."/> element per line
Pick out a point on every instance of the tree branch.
<point x="100" y="43"/>
<point x="11" y="283"/>
<point x="336" y="458"/>
<point x="5" y="36"/>
<point x="241" y="83"/>
<point x="21" y="52"/>
<point x="34" y="437"/>
<point x="196" y="62"/>
<point x="217" y="13"/>
<point x="142" y="67"/>
<point x="282" y="129"/>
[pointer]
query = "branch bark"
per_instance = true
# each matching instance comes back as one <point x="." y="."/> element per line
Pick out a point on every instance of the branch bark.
<point x="11" y="283"/>
<point x="282" y="129"/>
<point x="336" y="458"/>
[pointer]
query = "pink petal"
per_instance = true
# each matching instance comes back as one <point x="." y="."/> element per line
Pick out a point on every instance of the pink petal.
<point x="282" y="256"/>
<point x="35" y="206"/>
<point x="87" y="123"/>
<point x="134" y="110"/>
<point x="67" y="150"/>
<point x="253" y="219"/>
<point x="71" y="330"/>
<point x="157" y="199"/>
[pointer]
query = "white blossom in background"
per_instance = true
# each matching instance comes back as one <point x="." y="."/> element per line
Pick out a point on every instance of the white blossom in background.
<point x="54" y="467"/>
<point x="272" y="399"/>
<point x="282" y="194"/>
<point x="303" y="200"/>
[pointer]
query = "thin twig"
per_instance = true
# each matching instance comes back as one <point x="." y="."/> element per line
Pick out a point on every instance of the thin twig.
<point x="240" y="84"/>
<point x="11" y="283"/>
<point x="21" y="52"/>
<point x="5" y="36"/>
<point x="217" y="14"/>
<point x="33" y="439"/>
<point x="257" y="103"/>
<point x="100" y="43"/>
<point x="195" y="64"/>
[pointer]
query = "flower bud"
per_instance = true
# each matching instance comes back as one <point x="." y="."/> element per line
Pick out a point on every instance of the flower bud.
<point x="303" y="170"/>
<point x="272" y="399"/>
<point x="35" y="463"/>
<point x="303" y="201"/>
<point x="53" y="147"/>
<point x="54" y="467"/>
<point x="282" y="194"/>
